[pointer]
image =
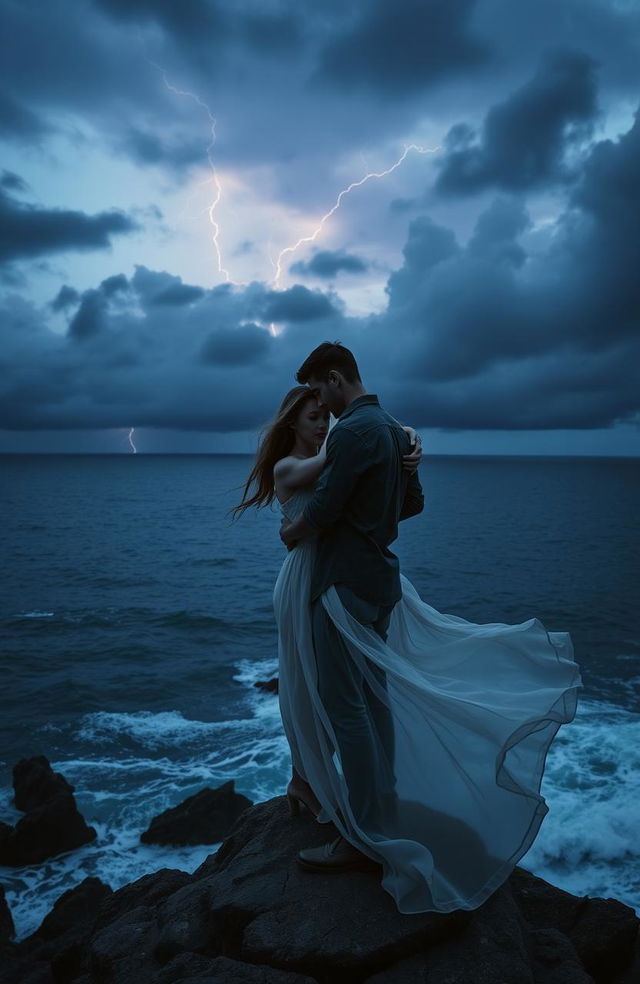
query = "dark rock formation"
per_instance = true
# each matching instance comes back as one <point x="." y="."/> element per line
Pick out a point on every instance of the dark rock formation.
<point x="204" y="818"/>
<point x="250" y="914"/>
<point x="52" y="823"/>
<point x="271" y="686"/>
<point x="35" y="782"/>
<point x="602" y="931"/>
<point x="7" y="929"/>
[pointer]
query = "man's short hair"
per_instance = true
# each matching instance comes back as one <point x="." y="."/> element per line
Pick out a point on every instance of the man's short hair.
<point x="324" y="358"/>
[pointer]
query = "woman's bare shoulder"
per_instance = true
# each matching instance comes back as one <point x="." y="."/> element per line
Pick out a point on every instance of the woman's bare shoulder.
<point x="282" y="466"/>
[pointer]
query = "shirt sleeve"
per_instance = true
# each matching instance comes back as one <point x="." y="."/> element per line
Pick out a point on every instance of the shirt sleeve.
<point x="413" y="498"/>
<point x="347" y="459"/>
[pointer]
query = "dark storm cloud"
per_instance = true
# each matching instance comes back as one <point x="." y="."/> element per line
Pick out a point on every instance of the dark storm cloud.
<point x="322" y="62"/>
<point x="93" y="312"/>
<point x="80" y="63"/>
<point x="28" y="230"/>
<point x="13" y="182"/>
<point x="404" y="47"/>
<point x="521" y="327"/>
<point x="495" y="302"/>
<point x="66" y="298"/>
<point x="236" y="346"/>
<point x="427" y="246"/>
<point x="90" y="317"/>
<point x="297" y="304"/>
<point x="272" y="33"/>
<point x="198" y="21"/>
<point x="524" y="139"/>
<point x="178" y="294"/>
<point x="114" y="285"/>
<point x="517" y="326"/>
<point x="546" y="392"/>
<point x="327" y="263"/>
<point x="496" y="233"/>
<point x="608" y="31"/>
<point x="162" y="289"/>
<point x="147" y="147"/>
<point x="116" y="368"/>
<point x="17" y="122"/>
<point x="457" y="347"/>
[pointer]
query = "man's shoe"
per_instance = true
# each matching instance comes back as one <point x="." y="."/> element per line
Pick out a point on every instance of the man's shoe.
<point x="338" y="855"/>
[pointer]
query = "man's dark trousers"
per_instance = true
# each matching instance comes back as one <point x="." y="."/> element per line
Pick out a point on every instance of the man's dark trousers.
<point x="355" y="711"/>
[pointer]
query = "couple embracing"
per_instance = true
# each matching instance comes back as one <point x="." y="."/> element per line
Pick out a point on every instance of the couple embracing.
<point x="421" y="736"/>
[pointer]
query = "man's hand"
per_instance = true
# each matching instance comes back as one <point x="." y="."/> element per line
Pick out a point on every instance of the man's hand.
<point x="285" y="535"/>
<point x="292" y="532"/>
<point x="411" y="461"/>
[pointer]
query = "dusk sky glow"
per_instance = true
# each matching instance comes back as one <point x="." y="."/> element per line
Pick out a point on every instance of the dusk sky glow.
<point x="160" y="158"/>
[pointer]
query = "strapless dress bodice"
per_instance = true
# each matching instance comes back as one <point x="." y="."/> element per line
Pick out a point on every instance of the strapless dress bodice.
<point x="296" y="503"/>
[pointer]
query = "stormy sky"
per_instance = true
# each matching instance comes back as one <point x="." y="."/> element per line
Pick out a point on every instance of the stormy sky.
<point x="193" y="195"/>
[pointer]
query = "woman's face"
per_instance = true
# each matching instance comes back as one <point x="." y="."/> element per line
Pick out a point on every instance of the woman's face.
<point x="312" y="423"/>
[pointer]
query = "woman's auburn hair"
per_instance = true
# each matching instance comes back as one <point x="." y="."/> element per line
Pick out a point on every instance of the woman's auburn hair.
<point x="276" y="442"/>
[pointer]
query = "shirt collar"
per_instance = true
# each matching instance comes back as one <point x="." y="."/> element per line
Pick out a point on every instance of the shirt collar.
<point x="369" y="399"/>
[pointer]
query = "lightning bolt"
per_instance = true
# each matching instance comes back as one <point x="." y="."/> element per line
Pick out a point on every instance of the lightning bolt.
<point x="345" y="191"/>
<point x="369" y="176"/>
<point x="214" y="174"/>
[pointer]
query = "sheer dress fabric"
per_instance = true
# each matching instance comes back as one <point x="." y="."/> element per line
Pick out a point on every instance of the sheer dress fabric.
<point x="474" y="709"/>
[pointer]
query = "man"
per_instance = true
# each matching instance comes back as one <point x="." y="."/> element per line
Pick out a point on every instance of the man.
<point x="361" y="496"/>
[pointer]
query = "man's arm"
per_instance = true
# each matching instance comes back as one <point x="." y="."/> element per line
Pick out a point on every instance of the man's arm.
<point x="346" y="461"/>
<point x="413" y="498"/>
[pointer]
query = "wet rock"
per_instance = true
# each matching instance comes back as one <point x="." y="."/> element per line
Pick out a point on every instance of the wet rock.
<point x="224" y="970"/>
<point x="35" y="782"/>
<point x="603" y="931"/>
<point x="204" y="818"/>
<point x="59" y="941"/>
<point x="273" y="912"/>
<point x="555" y="959"/>
<point x="149" y="890"/>
<point x="493" y="947"/>
<point x="76" y="906"/>
<point x="123" y="952"/>
<point x="7" y="929"/>
<point x="52" y="825"/>
<point x="187" y="923"/>
<point x="250" y="914"/>
<point x="271" y="686"/>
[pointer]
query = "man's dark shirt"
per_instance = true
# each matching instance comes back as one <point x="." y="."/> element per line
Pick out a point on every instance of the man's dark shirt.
<point x="361" y="495"/>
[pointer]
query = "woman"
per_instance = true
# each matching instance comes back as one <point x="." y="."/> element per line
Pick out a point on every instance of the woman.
<point x="455" y="787"/>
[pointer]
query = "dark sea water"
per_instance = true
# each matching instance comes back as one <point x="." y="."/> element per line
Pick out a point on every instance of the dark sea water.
<point x="134" y="620"/>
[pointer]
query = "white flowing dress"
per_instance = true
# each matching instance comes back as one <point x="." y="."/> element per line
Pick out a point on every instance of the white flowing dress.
<point x="474" y="711"/>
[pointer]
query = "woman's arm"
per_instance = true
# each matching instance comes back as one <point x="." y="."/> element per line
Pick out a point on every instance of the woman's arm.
<point x="294" y="473"/>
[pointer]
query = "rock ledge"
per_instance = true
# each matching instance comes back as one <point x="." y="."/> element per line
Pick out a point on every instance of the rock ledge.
<point x="250" y="914"/>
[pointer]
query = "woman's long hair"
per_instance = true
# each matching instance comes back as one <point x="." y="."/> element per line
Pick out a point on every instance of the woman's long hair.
<point x="276" y="442"/>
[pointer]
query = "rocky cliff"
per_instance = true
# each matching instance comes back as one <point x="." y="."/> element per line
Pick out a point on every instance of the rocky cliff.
<point x="250" y="914"/>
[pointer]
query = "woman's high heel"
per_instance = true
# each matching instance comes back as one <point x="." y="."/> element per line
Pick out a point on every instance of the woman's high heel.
<point x="297" y="797"/>
<point x="294" y="804"/>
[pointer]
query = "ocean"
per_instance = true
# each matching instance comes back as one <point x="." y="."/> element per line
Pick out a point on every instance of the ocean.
<point x="135" y="619"/>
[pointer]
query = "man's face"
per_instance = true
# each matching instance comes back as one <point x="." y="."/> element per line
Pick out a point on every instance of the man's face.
<point x="328" y="392"/>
